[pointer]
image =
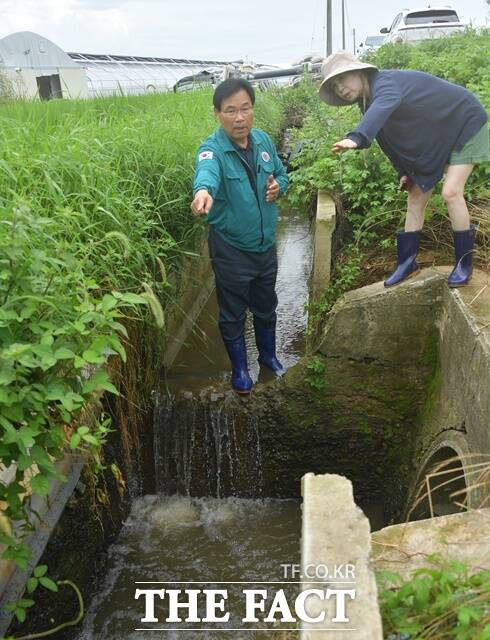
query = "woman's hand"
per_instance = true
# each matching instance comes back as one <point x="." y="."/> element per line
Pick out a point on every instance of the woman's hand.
<point x="406" y="183"/>
<point x="343" y="145"/>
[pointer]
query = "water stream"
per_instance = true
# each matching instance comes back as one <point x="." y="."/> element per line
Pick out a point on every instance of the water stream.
<point x="216" y="536"/>
<point x="201" y="540"/>
<point x="202" y="362"/>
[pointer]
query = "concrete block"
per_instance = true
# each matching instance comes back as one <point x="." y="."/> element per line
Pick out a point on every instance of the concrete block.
<point x="385" y="324"/>
<point x="324" y="227"/>
<point x="44" y="514"/>
<point x="336" y="535"/>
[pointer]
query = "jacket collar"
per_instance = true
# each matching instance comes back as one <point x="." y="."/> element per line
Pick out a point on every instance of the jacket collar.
<point x="226" y="144"/>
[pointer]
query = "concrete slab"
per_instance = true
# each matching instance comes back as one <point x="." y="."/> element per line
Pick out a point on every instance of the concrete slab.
<point x="324" y="228"/>
<point x="405" y="547"/>
<point x="196" y="287"/>
<point x="45" y="513"/>
<point x="385" y="324"/>
<point x="336" y="536"/>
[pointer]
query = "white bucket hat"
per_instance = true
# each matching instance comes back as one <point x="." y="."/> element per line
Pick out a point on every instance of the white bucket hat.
<point x="335" y="65"/>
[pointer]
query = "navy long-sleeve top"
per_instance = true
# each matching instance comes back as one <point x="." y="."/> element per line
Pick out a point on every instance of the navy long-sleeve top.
<point x="418" y="121"/>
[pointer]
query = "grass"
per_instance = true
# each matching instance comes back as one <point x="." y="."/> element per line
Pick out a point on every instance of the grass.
<point x="446" y="598"/>
<point x="114" y="173"/>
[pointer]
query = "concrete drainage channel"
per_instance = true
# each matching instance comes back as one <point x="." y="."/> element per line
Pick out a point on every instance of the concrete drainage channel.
<point x="44" y="514"/>
<point x="403" y="385"/>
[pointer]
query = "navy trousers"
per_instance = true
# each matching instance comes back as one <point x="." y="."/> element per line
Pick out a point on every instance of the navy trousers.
<point x="244" y="280"/>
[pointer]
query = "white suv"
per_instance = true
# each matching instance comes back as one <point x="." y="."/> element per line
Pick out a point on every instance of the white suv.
<point x="413" y="25"/>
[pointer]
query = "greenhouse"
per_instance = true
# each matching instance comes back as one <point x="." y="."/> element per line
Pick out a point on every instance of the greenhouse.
<point x="110" y="74"/>
<point x="32" y="66"/>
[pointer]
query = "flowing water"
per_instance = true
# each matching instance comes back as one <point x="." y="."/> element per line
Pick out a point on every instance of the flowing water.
<point x="199" y="449"/>
<point x="199" y="540"/>
<point x="202" y="362"/>
<point x="172" y="537"/>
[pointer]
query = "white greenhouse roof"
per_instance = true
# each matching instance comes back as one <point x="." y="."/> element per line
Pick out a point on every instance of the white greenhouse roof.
<point x="109" y="74"/>
<point x="27" y="49"/>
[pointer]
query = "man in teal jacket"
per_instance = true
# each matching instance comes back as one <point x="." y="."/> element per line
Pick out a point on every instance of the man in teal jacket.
<point x="237" y="180"/>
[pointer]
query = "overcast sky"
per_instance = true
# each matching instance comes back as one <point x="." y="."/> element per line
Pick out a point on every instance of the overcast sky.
<point x="273" y="31"/>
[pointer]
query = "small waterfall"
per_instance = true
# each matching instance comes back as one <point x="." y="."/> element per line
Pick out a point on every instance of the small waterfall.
<point x="206" y="446"/>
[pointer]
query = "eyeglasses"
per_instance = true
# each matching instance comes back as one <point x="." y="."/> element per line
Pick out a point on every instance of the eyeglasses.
<point x="232" y="113"/>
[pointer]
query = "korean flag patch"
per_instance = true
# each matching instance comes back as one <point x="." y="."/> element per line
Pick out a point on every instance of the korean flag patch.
<point x="265" y="156"/>
<point x="205" y="155"/>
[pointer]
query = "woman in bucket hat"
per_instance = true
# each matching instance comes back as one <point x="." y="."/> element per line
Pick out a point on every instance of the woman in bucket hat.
<point x="423" y="124"/>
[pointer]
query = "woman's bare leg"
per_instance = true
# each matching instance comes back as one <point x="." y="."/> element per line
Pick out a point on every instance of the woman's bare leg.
<point x="416" y="203"/>
<point x="453" y="194"/>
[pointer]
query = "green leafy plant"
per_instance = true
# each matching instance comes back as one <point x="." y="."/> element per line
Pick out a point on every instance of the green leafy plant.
<point x="441" y="601"/>
<point x="344" y="277"/>
<point x="315" y="369"/>
<point x="49" y="632"/>
<point x="56" y="337"/>
<point x="95" y="219"/>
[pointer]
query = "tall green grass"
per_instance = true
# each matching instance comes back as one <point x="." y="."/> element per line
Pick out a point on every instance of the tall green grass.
<point x="115" y="174"/>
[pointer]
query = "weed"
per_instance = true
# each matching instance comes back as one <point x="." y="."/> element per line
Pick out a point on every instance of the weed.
<point x="441" y="601"/>
<point x="314" y="376"/>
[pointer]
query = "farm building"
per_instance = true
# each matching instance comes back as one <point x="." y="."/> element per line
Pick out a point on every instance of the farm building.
<point x="32" y="66"/>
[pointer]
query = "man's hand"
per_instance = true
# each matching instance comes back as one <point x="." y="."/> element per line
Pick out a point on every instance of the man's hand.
<point x="406" y="183"/>
<point x="202" y="203"/>
<point x="343" y="145"/>
<point x="272" y="189"/>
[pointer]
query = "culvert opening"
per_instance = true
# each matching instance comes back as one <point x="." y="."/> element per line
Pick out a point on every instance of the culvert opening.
<point x="441" y="488"/>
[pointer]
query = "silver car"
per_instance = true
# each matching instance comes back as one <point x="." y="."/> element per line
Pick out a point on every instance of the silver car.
<point x="413" y="25"/>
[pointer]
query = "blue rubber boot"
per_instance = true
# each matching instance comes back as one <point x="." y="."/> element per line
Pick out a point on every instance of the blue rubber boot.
<point x="237" y="352"/>
<point x="464" y="243"/>
<point x="265" y="340"/>
<point x="407" y="247"/>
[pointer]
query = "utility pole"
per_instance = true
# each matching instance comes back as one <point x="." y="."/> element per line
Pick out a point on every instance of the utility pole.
<point x="328" y="29"/>
<point x="354" y="38"/>
<point x="343" y="24"/>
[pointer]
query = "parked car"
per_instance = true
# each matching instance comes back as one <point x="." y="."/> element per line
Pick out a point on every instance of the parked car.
<point x="413" y="25"/>
<point x="204" y="78"/>
<point x="371" y="43"/>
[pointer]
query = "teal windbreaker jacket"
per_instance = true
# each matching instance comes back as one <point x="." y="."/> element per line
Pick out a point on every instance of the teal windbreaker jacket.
<point x="244" y="220"/>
